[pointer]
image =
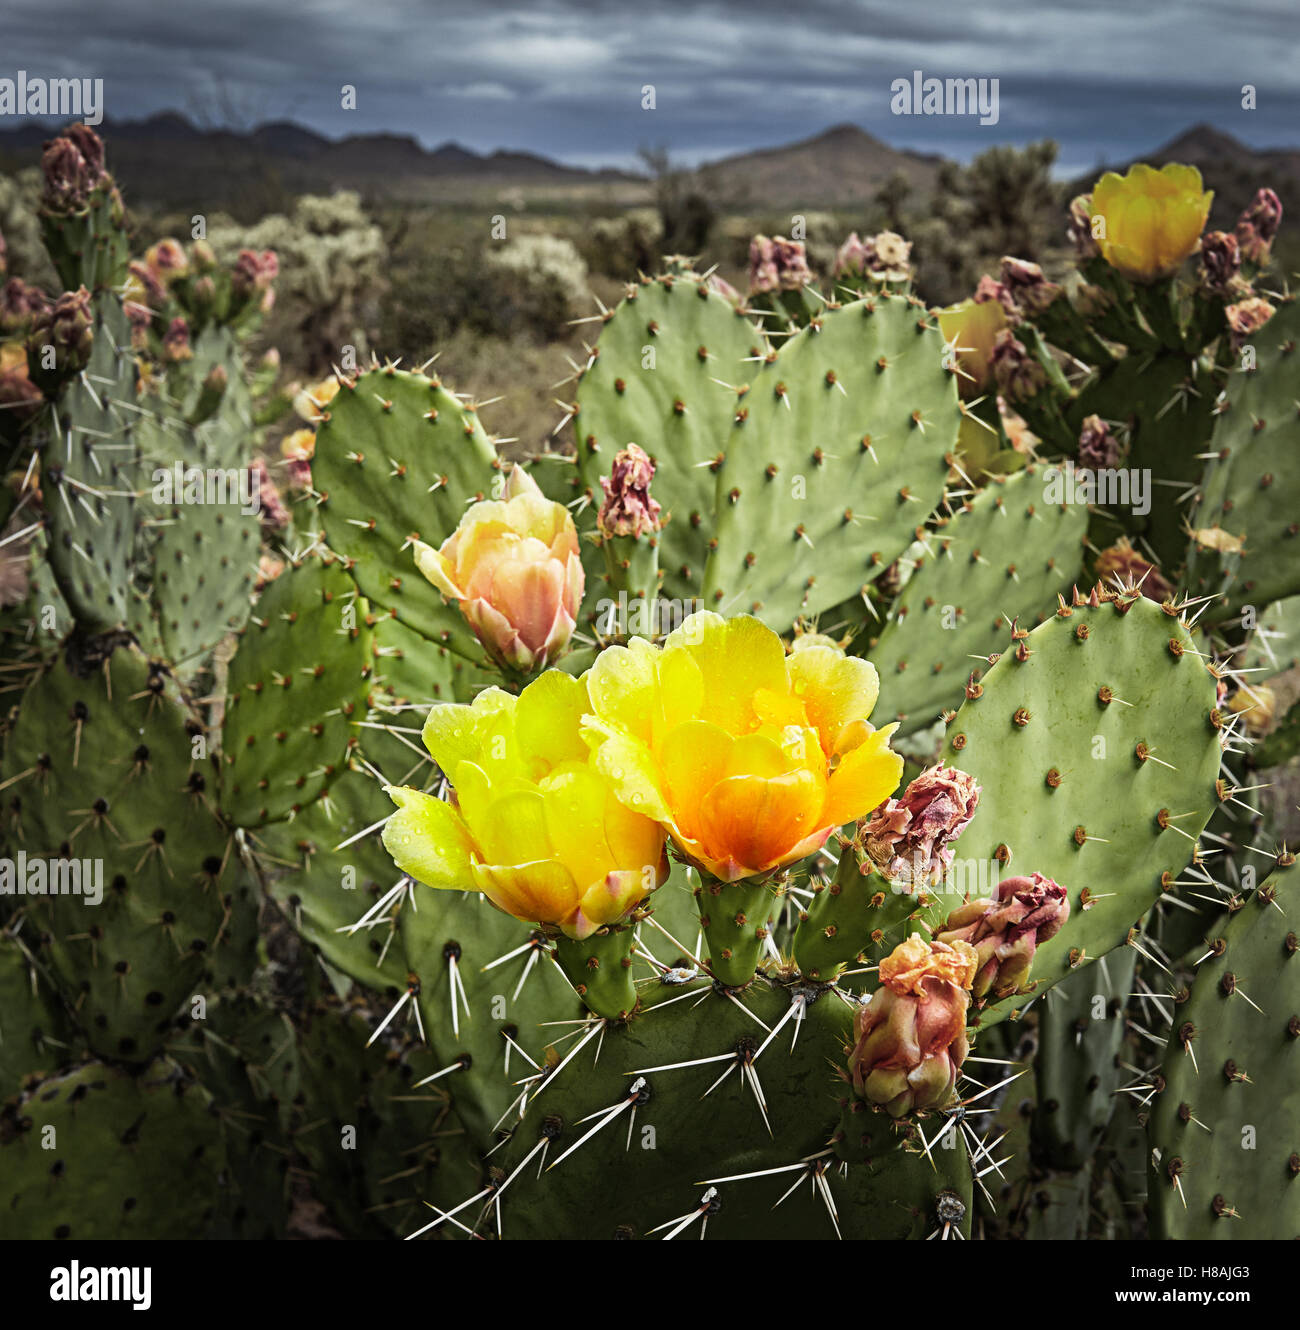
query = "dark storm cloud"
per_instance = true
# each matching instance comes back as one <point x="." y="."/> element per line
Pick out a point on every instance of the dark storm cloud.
<point x="564" y="77"/>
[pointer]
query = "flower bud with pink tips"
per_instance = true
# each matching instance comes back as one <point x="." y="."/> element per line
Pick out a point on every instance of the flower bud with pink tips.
<point x="513" y="566"/>
<point x="909" y="839"/>
<point x="1006" y="930"/>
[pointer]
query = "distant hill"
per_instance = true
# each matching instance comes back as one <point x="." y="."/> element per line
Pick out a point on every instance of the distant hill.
<point x="1231" y="169"/>
<point x="842" y="166"/>
<point x="169" y="161"/>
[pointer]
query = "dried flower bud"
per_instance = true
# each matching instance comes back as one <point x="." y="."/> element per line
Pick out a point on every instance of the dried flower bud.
<point x="1018" y="374"/>
<point x="629" y="509"/>
<point x="1220" y="261"/>
<point x="1122" y="561"/>
<point x="909" y="839"/>
<point x="1079" y="228"/>
<point x="1028" y="287"/>
<point x="911" y="1037"/>
<point x="1005" y="930"/>
<point x="1098" y="447"/>
<point x="1257" y="227"/>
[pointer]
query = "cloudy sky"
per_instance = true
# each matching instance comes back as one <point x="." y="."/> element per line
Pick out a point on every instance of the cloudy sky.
<point x="1106" y="78"/>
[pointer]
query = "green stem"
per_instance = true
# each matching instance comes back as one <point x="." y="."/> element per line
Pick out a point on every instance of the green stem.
<point x="736" y="918"/>
<point x="600" y="970"/>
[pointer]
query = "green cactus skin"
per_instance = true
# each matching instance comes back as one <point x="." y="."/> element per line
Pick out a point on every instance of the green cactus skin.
<point x="600" y="970"/>
<point x="439" y="926"/>
<point x="1224" y="1153"/>
<point x="308" y="876"/>
<point x="1165" y="404"/>
<point x="837" y="457"/>
<point x="680" y="411"/>
<point x="105" y="768"/>
<point x="407" y="1145"/>
<point x="1103" y="824"/>
<point x="850" y="916"/>
<point x="1274" y="645"/>
<point x="1245" y="491"/>
<point x="1081" y="1031"/>
<point x="91" y="476"/>
<point x="121" y="1144"/>
<point x="1002" y="557"/>
<point x="679" y="1140"/>
<point x="89" y="248"/>
<point x="736" y="918"/>
<point x="297" y="690"/>
<point x="399" y="456"/>
<point x="35" y="1032"/>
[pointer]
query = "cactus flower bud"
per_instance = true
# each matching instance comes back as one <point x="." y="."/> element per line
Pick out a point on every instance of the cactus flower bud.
<point x="1079" y="228"/>
<point x="1220" y="262"/>
<point x="68" y="326"/>
<point x="886" y="256"/>
<point x="990" y="290"/>
<point x="176" y="341"/>
<point x="203" y="258"/>
<point x="310" y="402"/>
<point x="1258" y="225"/>
<point x="629" y="509"/>
<point x="911" y="1037"/>
<point x="909" y="839"/>
<point x="1019" y="376"/>
<point x="254" y="271"/>
<point x="274" y="515"/>
<point x="73" y="164"/>
<point x="1005" y="931"/>
<point x="777" y="264"/>
<point x="1123" y="561"/>
<point x="1246" y="318"/>
<point x="725" y="289"/>
<point x="19" y="304"/>
<point x="513" y="566"/>
<point x="1153" y="219"/>
<point x="1098" y="447"/>
<point x="1031" y="291"/>
<point x="166" y="260"/>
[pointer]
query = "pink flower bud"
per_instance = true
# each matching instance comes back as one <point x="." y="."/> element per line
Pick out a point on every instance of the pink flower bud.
<point x="990" y="291"/>
<point x="1018" y="374"/>
<point x="1246" y="318"/>
<point x="273" y="512"/>
<point x="1079" y="228"/>
<point x="909" y="839"/>
<point x="1220" y="261"/>
<point x="176" y="341"/>
<point x="1257" y="227"/>
<point x="1005" y="931"/>
<point x="629" y="509"/>
<point x="911" y="1037"/>
<point x="1098" y="447"/>
<point x="513" y="565"/>
<point x="73" y="164"/>
<point x="20" y="304"/>
<point x="1031" y="291"/>
<point x="777" y="264"/>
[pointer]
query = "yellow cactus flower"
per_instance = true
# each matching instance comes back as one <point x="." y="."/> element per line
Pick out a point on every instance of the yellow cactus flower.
<point x="1153" y="219"/>
<point x="971" y="328"/>
<point x="310" y="402"/>
<point x="748" y="758"/>
<point x="513" y="565"/>
<point x="531" y="822"/>
<point x="299" y="446"/>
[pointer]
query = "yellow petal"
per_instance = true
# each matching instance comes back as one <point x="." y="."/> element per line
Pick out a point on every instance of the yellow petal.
<point x="756" y="822"/>
<point x="438" y="569"/>
<point x="547" y="721"/>
<point x="836" y="689"/>
<point x="736" y="658"/>
<point x="864" y="778"/>
<point x="626" y="763"/>
<point x="575" y="797"/>
<point x="623" y="685"/>
<point x="513" y="829"/>
<point x="543" y="892"/>
<point x="428" y="840"/>
<point x="454" y="732"/>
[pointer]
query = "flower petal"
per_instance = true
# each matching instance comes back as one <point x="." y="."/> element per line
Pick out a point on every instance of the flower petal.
<point x="428" y="840"/>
